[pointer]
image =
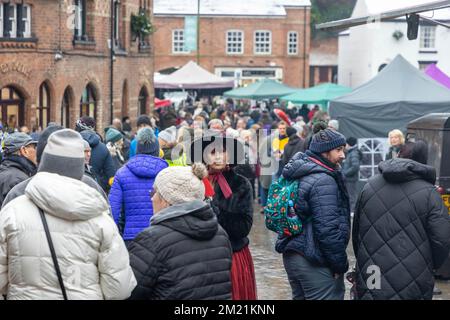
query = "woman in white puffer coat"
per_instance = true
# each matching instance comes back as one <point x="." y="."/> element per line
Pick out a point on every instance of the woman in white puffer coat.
<point x="91" y="254"/>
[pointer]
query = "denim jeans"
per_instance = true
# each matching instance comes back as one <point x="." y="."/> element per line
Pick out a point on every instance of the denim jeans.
<point x="312" y="282"/>
<point x="263" y="193"/>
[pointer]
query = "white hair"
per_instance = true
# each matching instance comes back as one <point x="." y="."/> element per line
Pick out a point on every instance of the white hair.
<point x="215" y="121"/>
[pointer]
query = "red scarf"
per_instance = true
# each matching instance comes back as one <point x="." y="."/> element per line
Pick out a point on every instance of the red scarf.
<point x="222" y="182"/>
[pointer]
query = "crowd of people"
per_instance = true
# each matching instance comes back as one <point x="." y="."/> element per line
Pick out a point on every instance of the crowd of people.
<point x="163" y="211"/>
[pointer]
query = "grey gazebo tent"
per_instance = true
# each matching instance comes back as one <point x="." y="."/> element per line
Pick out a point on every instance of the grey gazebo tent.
<point x="399" y="94"/>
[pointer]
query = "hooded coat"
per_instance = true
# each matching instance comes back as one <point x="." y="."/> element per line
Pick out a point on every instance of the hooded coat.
<point x="183" y="255"/>
<point x="13" y="170"/>
<point x="352" y="163"/>
<point x="401" y="226"/>
<point x="294" y="145"/>
<point x="101" y="160"/>
<point x="323" y="205"/>
<point x="92" y="257"/>
<point x="130" y="193"/>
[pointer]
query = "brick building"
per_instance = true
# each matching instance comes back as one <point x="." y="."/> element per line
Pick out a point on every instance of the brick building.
<point x="323" y="61"/>
<point x="55" y="61"/>
<point x="242" y="40"/>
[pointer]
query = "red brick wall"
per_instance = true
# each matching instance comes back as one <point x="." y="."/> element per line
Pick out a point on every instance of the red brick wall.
<point x="213" y="44"/>
<point x="81" y="64"/>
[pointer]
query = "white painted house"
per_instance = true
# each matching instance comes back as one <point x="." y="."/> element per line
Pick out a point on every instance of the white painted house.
<point x="364" y="50"/>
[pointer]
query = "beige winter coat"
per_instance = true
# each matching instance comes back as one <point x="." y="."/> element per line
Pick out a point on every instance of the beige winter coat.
<point x="92" y="256"/>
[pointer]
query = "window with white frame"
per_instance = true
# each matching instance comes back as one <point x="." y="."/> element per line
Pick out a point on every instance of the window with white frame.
<point x="373" y="152"/>
<point x="15" y="20"/>
<point x="263" y="42"/>
<point x="80" y="20"/>
<point x="292" y="39"/>
<point x="427" y="37"/>
<point x="11" y="17"/>
<point x="178" y="41"/>
<point x="117" y="24"/>
<point x="25" y="26"/>
<point x="235" y="42"/>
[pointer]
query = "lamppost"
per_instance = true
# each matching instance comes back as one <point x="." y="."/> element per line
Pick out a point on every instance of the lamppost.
<point x="198" y="32"/>
<point x="111" y="61"/>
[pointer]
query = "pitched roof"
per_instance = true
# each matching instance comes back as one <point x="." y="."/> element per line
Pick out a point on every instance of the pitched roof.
<point x="228" y="7"/>
<point x="377" y="6"/>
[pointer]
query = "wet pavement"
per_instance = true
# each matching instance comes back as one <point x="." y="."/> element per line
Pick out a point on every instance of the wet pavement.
<point x="271" y="278"/>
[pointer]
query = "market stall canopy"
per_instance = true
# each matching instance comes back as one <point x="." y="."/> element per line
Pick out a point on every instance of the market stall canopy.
<point x="320" y="94"/>
<point x="437" y="74"/>
<point x="399" y="94"/>
<point x="263" y="89"/>
<point x="192" y="76"/>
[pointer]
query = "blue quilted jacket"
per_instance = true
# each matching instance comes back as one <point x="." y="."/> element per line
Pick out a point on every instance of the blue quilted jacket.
<point x="130" y="193"/>
<point x="324" y="208"/>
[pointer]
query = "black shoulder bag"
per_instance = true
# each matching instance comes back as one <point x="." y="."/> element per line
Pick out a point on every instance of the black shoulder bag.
<point x="52" y="251"/>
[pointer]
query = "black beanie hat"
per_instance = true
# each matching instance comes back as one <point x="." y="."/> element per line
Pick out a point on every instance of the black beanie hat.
<point x="290" y="131"/>
<point x="143" y="119"/>
<point x="42" y="142"/>
<point x="351" y="141"/>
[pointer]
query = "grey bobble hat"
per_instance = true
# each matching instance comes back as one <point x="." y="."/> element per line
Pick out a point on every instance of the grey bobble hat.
<point x="64" y="154"/>
<point x="326" y="140"/>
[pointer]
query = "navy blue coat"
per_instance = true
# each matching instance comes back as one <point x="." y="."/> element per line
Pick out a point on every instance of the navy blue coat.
<point x="101" y="161"/>
<point x="323" y="205"/>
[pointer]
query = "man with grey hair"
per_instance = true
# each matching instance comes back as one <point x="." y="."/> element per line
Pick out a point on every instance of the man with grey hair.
<point x="19" y="163"/>
<point x="216" y="125"/>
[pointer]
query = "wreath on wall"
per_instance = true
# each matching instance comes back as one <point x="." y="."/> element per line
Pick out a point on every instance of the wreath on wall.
<point x="141" y="25"/>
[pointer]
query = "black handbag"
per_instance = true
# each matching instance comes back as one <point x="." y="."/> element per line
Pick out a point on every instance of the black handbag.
<point x="52" y="251"/>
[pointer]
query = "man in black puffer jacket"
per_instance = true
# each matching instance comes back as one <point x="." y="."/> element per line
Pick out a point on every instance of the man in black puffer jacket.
<point x="184" y="254"/>
<point x="401" y="233"/>
<point x="19" y="163"/>
<point x="316" y="260"/>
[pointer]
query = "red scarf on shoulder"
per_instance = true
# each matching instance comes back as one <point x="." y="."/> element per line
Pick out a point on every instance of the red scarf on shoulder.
<point x="217" y="177"/>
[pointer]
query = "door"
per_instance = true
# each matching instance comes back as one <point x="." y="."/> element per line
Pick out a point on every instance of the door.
<point x="11" y="108"/>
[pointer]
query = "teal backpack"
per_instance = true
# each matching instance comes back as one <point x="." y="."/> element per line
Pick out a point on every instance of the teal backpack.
<point x="279" y="212"/>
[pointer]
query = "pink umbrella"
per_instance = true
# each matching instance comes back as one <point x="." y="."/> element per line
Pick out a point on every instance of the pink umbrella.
<point x="162" y="103"/>
<point x="282" y="116"/>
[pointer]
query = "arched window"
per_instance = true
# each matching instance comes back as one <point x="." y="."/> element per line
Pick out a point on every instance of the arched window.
<point x="43" y="107"/>
<point x="65" y="107"/>
<point x="12" y="106"/>
<point x="88" y="102"/>
<point x="143" y="101"/>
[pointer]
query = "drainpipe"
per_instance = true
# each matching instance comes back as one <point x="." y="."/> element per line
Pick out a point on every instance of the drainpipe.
<point x="111" y="82"/>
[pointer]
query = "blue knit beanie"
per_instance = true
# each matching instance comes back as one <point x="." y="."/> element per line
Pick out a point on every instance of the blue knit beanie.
<point x="147" y="143"/>
<point x="326" y="140"/>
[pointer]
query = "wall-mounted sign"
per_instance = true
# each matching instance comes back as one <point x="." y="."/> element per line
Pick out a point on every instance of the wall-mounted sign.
<point x="190" y="33"/>
<point x="6" y="68"/>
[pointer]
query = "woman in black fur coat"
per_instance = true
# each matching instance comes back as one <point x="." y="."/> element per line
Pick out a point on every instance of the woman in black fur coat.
<point x="232" y="201"/>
